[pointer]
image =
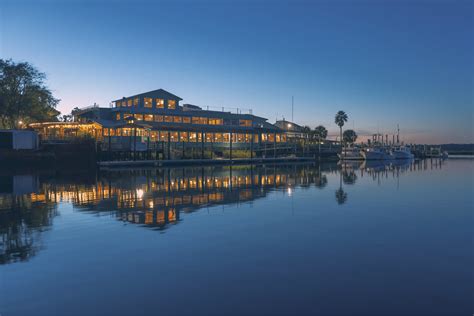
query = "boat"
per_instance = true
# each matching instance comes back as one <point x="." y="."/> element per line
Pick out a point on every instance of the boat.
<point x="350" y="153"/>
<point x="376" y="153"/>
<point x="402" y="152"/>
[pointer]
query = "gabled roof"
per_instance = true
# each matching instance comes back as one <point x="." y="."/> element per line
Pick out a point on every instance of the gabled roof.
<point x="158" y="91"/>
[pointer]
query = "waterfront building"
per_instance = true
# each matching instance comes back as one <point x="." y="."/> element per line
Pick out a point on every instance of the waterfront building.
<point x="292" y="130"/>
<point x="141" y="121"/>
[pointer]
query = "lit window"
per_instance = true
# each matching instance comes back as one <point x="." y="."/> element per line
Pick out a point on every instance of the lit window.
<point x="158" y="118"/>
<point x="160" y="103"/>
<point x="215" y="121"/>
<point x="117" y="116"/>
<point x="195" y="120"/>
<point x="192" y="137"/>
<point x="245" y="122"/>
<point x="174" y="136"/>
<point x="127" y="116"/>
<point x="168" y="118"/>
<point x="171" y="104"/>
<point x="148" y="102"/>
<point x="183" y="136"/>
<point x="177" y="119"/>
<point x="186" y="119"/>
<point x="218" y="137"/>
<point x="148" y="117"/>
<point x="118" y="104"/>
<point x="139" y="117"/>
<point x="129" y="102"/>
<point x="135" y="102"/>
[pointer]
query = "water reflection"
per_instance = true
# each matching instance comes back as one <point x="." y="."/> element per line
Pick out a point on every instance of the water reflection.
<point x="158" y="199"/>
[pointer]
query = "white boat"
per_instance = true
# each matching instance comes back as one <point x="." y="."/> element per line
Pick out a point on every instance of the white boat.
<point x="351" y="153"/>
<point x="376" y="153"/>
<point x="402" y="152"/>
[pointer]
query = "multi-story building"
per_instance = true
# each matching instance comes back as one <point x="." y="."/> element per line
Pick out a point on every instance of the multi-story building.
<point x="157" y="116"/>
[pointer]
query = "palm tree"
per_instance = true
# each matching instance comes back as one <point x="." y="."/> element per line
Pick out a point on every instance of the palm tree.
<point x="341" y="118"/>
<point x="349" y="136"/>
<point x="321" y="133"/>
<point x="341" y="195"/>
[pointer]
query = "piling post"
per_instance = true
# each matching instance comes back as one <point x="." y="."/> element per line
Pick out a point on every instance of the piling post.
<point x="202" y="145"/>
<point x="169" y="145"/>
<point x="274" y="145"/>
<point x="251" y="146"/>
<point x="230" y="146"/>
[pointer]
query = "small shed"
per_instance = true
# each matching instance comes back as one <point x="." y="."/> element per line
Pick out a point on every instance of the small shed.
<point x="18" y="139"/>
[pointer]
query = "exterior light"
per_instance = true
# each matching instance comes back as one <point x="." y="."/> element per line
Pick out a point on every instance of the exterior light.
<point x="289" y="125"/>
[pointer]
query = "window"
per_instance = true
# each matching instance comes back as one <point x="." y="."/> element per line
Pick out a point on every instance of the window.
<point x="135" y="102"/>
<point x="127" y="116"/>
<point x="163" y="136"/>
<point x="192" y="137"/>
<point x="117" y="116"/>
<point x="158" y="118"/>
<point x="160" y="103"/>
<point x="200" y="120"/>
<point x="148" y="117"/>
<point x="168" y="118"/>
<point x="118" y="104"/>
<point x="186" y="119"/>
<point x="209" y="137"/>
<point x="139" y="117"/>
<point x="218" y="138"/>
<point x="129" y="102"/>
<point x="171" y="104"/>
<point x="148" y="102"/>
<point x="154" y="136"/>
<point x="245" y="123"/>
<point x="226" y="137"/>
<point x="183" y="136"/>
<point x="174" y="136"/>
<point x="177" y="119"/>
<point x="216" y="121"/>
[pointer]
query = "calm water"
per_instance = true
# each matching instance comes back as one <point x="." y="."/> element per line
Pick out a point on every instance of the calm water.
<point x="286" y="239"/>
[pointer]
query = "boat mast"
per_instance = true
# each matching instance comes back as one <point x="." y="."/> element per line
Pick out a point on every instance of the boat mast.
<point x="398" y="134"/>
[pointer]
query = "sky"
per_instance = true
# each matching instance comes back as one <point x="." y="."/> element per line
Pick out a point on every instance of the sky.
<point x="383" y="62"/>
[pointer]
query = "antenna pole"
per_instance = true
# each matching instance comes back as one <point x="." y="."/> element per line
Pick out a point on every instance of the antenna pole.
<point x="292" y="108"/>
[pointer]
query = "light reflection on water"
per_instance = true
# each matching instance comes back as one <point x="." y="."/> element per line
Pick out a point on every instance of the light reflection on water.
<point x="289" y="208"/>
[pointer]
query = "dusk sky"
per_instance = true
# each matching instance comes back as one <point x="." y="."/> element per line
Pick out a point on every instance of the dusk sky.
<point x="382" y="62"/>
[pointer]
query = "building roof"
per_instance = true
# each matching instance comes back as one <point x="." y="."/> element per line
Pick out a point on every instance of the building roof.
<point x="153" y="92"/>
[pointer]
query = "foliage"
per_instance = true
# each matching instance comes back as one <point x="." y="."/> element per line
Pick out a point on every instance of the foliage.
<point x="341" y="118"/>
<point x="341" y="196"/>
<point x="320" y="132"/>
<point x="24" y="96"/>
<point x="349" y="136"/>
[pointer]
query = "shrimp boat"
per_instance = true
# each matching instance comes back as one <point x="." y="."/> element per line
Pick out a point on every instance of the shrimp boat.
<point x="402" y="152"/>
<point x="350" y="153"/>
<point x="376" y="153"/>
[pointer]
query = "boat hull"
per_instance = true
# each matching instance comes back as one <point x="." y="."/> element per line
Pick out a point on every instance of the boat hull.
<point x="376" y="155"/>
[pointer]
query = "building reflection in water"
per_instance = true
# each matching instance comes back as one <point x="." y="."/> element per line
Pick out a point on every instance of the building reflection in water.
<point x="157" y="199"/>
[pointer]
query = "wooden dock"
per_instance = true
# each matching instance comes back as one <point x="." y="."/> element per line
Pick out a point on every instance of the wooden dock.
<point x="198" y="162"/>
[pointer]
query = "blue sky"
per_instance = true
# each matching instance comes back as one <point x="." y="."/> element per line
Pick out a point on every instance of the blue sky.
<point x="383" y="62"/>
